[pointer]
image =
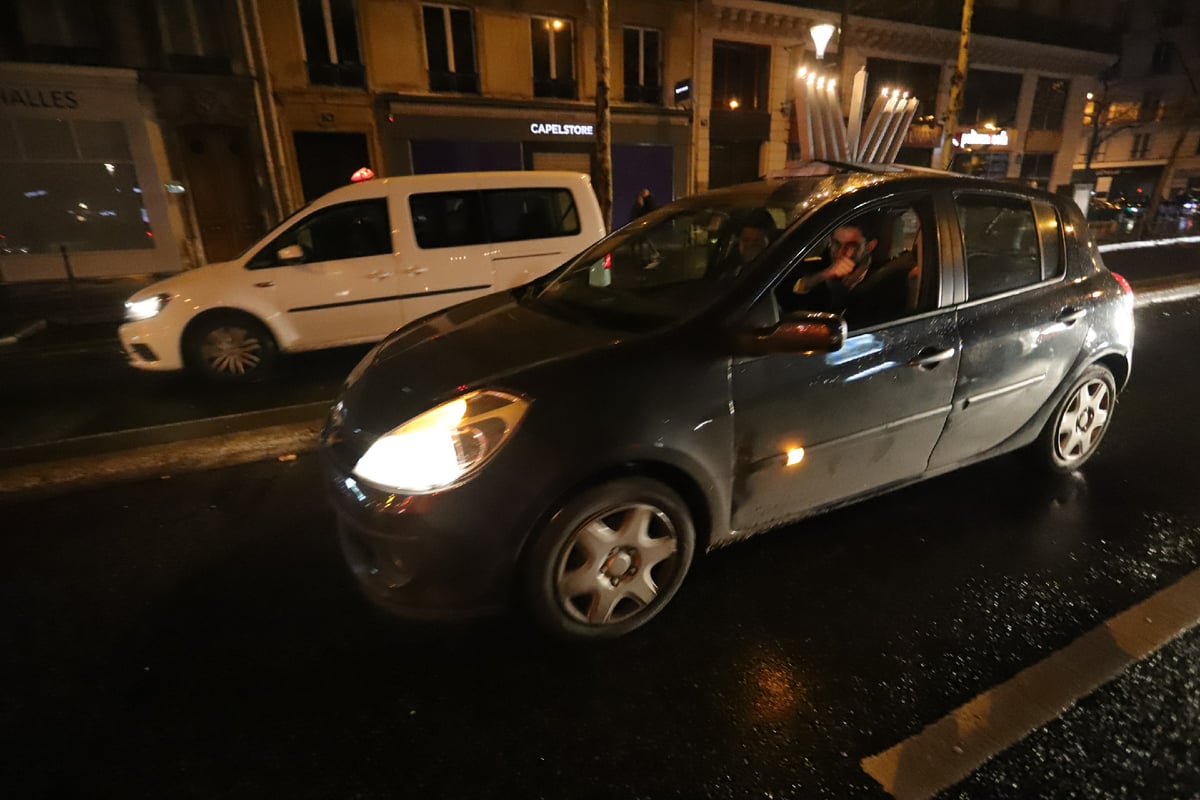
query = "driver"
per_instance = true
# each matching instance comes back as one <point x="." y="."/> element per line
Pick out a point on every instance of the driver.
<point x="845" y="266"/>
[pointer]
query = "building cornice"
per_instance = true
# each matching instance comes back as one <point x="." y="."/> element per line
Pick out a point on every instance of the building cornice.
<point x="907" y="41"/>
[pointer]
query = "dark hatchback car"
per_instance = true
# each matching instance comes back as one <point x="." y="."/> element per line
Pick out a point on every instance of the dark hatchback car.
<point x="572" y="443"/>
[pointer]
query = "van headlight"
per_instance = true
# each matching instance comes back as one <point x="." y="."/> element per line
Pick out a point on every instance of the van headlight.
<point x="138" y="310"/>
<point x="444" y="445"/>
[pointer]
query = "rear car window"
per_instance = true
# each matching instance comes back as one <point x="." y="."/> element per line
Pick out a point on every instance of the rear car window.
<point x="520" y="214"/>
<point x="1001" y="242"/>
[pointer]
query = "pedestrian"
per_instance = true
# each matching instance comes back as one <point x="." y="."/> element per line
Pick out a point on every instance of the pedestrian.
<point x="644" y="204"/>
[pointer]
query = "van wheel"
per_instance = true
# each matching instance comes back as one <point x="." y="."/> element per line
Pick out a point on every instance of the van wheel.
<point x="609" y="560"/>
<point x="1079" y="422"/>
<point x="230" y="346"/>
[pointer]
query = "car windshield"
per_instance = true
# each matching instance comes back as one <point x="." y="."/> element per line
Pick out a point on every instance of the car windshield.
<point x="678" y="260"/>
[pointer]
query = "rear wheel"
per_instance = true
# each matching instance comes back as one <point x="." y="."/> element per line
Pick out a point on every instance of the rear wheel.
<point x="610" y="559"/>
<point x="230" y="346"/>
<point x="1079" y="422"/>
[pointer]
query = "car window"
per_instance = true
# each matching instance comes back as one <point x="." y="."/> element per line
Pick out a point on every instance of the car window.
<point x="520" y="214"/>
<point x="447" y="219"/>
<point x="1001" y="242"/>
<point x="1050" y="229"/>
<point x="888" y="255"/>
<point x="347" y="230"/>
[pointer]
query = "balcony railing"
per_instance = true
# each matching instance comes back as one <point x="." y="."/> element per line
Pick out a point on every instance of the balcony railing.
<point x="643" y="94"/>
<point x="344" y="74"/>
<point x="561" y="88"/>
<point x="465" y="82"/>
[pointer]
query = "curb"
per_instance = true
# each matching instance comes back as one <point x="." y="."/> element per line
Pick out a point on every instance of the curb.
<point x="1108" y="248"/>
<point x="1165" y="290"/>
<point x="159" y="461"/>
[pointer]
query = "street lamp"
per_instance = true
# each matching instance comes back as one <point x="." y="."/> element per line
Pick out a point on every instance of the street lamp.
<point x="821" y="34"/>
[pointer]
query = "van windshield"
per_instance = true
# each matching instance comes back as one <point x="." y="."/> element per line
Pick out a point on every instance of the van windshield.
<point x="675" y="262"/>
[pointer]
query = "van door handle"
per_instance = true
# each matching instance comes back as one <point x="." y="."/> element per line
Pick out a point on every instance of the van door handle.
<point x="417" y="270"/>
<point x="379" y="275"/>
<point x="264" y="284"/>
<point x="1070" y="315"/>
<point x="930" y="357"/>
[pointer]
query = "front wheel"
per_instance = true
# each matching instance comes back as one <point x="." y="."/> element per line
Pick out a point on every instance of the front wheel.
<point x="1079" y="422"/>
<point x="610" y="559"/>
<point x="230" y="346"/>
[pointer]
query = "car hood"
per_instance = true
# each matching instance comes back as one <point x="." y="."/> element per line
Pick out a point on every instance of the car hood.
<point x="484" y="343"/>
<point x="183" y="283"/>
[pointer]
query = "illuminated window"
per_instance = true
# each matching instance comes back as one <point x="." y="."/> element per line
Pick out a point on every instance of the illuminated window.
<point x="740" y="73"/>
<point x="450" y="49"/>
<point x="553" y="57"/>
<point x="643" y="68"/>
<point x="331" y="43"/>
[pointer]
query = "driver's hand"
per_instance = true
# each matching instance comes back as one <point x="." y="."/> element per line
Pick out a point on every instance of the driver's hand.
<point x="838" y="269"/>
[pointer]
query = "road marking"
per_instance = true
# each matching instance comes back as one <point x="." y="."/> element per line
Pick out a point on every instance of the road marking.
<point x="1108" y="248"/>
<point x="950" y="749"/>
<point x="1165" y="294"/>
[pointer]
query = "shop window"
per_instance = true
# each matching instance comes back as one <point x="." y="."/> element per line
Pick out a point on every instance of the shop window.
<point x="331" y="43"/>
<point x="1037" y="168"/>
<point x="69" y="185"/>
<point x="447" y="219"/>
<point x="643" y="68"/>
<point x="1001" y="240"/>
<point x="522" y="214"/>
<point x="553" y="57"/>
<point x="450" y="49"/>
<point x="60" y="31"/>
<point x="1141" y="145"/>
<point x="347" y="230"/>
<point x="1049" y="104"/>
<point x="193" y="35"/>
<point x="740" y="76"/>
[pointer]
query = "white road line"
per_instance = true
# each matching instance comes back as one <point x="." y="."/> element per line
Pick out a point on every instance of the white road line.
<point x="1108" y="248"/>
<point x="950" y="749"/>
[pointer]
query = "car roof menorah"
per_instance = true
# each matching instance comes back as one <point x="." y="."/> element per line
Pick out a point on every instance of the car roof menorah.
<point x="824" y="134"/>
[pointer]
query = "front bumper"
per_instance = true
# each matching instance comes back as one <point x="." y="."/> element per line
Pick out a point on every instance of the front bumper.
<point x="153" y="344"/>
<point x="436" y="556"/>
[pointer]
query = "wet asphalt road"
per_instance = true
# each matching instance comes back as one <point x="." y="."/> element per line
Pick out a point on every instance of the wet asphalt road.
<point x="199" y="637"/>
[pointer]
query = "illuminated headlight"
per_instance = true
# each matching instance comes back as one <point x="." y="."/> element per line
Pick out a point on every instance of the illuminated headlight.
<point x="137" y="310"/>
<point x="444" y="445"/>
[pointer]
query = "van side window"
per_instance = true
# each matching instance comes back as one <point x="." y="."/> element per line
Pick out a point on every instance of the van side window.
<point x="520" y="214"/>
<point x="447" y="219"/>
<point x="348" y="230"/>
<point x="1000" y="238"/>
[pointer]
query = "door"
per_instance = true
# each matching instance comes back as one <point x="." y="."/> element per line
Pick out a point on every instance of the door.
<point x="445" y="257"/>
<point x="327" y="160"/>
<point x="222" y="189"/>
<point x="344" y="289"/>
<point x="813" y="429"/>
<point x="1022" y="325"/>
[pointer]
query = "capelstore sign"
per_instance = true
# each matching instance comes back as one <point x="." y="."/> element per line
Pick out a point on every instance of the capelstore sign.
<point x="557" y="129"/>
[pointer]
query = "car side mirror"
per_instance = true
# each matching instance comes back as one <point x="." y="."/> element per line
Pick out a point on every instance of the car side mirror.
<point x="801" y="332"/>
<point x="292" y="254"/>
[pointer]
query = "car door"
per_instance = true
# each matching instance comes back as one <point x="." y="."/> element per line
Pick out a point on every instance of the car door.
<point x="446" y="257"/>
<point x="813" y="429"/>
<point x="532" y="231"/>
<point x="1022" y="323"/>
<point x="342" y="289"/>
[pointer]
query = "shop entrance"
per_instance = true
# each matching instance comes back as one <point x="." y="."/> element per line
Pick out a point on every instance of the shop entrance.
<point x="732" y="162"/>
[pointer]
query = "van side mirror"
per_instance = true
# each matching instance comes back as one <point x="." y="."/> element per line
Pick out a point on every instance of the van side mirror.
<point x="800" y="332"/>
<point x="292" y="254"/>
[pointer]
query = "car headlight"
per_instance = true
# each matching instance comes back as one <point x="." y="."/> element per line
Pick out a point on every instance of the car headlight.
<point x="444" y="445"/>
<point x="137" y="310"/>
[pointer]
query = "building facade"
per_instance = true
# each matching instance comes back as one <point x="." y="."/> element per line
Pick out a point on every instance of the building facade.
<point x="130" y="140"/>
<point x="405" y="87"/>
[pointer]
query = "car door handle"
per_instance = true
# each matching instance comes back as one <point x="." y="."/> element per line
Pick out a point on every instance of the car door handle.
<point x="930" y="357"/>
<point x="1070" y="315"/>
<point x="264" y="284"/>
<point x="417" y="270"/>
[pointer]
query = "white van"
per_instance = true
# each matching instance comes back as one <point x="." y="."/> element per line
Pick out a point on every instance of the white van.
<point x="359" y="262"/>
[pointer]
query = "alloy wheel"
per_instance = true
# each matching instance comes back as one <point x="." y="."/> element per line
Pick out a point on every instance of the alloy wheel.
<point x="1083" y="421"/>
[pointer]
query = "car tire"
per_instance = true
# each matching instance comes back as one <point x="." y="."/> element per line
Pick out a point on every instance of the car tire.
<point x="609" y="560"/>
<point x="1079" y="422"/>
<point x="230" y="346"/>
